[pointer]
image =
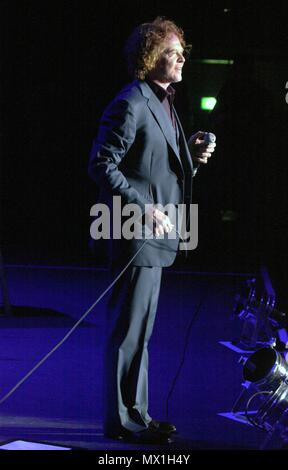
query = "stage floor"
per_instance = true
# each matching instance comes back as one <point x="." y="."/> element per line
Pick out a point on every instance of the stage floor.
<point x="61" y="402"/>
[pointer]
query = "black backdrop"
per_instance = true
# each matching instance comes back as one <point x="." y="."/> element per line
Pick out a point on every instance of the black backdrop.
<point x="61" y="63"/>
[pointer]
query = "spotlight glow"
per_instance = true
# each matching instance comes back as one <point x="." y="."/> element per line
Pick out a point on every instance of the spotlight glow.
<point x="208" y="103"/>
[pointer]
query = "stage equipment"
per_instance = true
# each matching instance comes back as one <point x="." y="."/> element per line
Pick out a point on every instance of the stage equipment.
<point x="267" y="370"/>
<point x="263" y="402"/>
<point x="256" y="320"/>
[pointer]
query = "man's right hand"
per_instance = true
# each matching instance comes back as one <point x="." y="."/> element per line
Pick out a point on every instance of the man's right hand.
<point x="158" y="222"/>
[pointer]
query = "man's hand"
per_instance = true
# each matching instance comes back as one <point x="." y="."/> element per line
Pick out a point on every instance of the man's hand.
<point x="200" y="151"/>
<point x="159" y="221"/>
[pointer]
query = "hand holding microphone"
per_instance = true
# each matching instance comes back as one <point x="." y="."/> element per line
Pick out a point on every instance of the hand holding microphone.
<point x="201" y="146"/>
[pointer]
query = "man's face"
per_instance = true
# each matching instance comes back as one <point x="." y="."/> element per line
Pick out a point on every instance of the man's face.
<point x="168" y="68"/>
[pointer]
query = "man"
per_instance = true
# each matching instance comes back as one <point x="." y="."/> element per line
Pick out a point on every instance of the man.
<point x="141" y="154"/>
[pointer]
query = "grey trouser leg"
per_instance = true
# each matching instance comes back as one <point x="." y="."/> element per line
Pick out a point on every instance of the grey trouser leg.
<point x="130" y="318"/>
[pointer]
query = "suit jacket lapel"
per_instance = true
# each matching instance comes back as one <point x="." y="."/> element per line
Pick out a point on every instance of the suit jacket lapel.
<point x="162" y="118"/>
<point x="185" y="152"/>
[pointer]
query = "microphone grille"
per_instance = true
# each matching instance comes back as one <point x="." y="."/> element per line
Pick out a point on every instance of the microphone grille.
<point x="209" y="138"/>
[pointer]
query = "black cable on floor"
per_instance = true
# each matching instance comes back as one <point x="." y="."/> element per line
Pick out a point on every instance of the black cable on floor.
<point x="186" y="342"/>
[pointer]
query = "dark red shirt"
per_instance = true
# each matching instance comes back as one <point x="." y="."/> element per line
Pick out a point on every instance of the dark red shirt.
<point x="166" y="97"/>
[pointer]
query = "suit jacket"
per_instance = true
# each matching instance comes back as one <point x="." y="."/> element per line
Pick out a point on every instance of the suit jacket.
<point x="136" y="156"/>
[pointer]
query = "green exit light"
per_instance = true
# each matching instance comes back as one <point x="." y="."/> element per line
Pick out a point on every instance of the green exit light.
<point x="208" y="103"/>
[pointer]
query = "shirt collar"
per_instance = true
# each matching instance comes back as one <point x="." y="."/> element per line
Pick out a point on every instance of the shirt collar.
<point x="161" y="93"/>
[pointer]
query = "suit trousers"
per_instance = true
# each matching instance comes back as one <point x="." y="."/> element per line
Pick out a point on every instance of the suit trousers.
<point x="131" y="312"/>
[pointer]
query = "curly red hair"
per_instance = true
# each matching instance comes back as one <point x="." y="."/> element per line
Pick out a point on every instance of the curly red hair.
<point x="145" y="44"/>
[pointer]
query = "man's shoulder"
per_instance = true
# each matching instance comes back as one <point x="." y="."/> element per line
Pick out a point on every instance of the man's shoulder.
<point x="133" y="92"/>
<point x="131" y="98"/>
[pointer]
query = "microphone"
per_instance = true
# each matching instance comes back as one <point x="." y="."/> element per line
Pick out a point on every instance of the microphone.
<point x="209" y="138"/>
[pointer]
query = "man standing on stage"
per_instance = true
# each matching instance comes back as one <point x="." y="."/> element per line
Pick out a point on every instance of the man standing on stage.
<point x="141" y="154"/>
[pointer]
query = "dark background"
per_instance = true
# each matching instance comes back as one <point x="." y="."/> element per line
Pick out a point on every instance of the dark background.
<point x="61" y="63"/>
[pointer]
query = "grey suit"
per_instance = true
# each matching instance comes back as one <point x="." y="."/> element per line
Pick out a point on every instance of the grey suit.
<point x="136" y="126"/>
<point x="136" y="155"/>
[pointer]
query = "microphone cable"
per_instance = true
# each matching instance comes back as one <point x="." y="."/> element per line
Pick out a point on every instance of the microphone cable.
<point x="186" y="342"/>
<point x="69" y="333"/>
<point x="188" y="332"/>
<point x="82" y="318"/>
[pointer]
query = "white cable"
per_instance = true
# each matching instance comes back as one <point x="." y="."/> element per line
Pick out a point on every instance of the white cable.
<point x="26" y="376"/>
<point x="70" y="331"/>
